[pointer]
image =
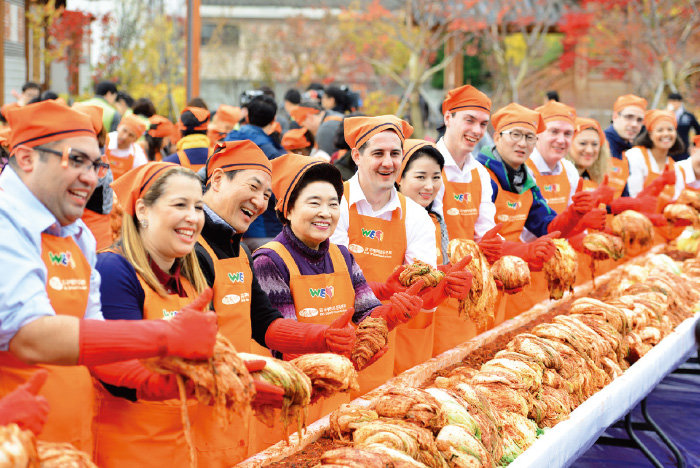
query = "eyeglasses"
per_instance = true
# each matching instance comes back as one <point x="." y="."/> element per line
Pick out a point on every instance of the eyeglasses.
<point x="632" y="118"/>
<point x="77" y="161"/>
<point x="517" y="136"/>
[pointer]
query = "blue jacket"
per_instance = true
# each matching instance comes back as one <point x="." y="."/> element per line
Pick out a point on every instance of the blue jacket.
<point x="540" y="214"/>
<point x="267" y="225"/>
<point x="616" y="143"/>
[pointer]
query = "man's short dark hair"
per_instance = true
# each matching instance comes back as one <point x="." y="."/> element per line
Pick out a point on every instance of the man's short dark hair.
<point x="144" y="106"/>
<point x="293" y="95"/>
<point x="267" y="91"/>
<point x="261" y="110"/>
<point x="104" y="87"/>
<point x="338" y="95"/>
<point x="675" y="97"/>
<point x="126" y="97"/>
<point x="552" y="95"/>
<point x="31" y="85"/>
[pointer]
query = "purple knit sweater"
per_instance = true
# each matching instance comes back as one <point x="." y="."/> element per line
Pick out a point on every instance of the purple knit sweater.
<point x="273" y="274"/>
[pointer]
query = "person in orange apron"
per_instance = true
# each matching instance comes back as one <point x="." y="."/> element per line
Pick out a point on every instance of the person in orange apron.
<point x="159" y="137"/>
<point x="465" y="200"/>
<point x="151" y="275"/>
<point x="309" y="278"/>
<point x="382" y="228"/>
<point x="420" y="179"/>
<point x="96" y="214"/>
<point x="122" y="151"/>
<point x="652" y="165"/>
<point x="627" y="120"/>
<point x="520" y="205"/>
<point x="238" y="188"/>
<point x="24" y="406"/>
<point x="193" y="146"/>
<point x="50" y="316"/>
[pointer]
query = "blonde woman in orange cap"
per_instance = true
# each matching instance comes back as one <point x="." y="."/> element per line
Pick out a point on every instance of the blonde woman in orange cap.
<point x="122" y="151"/>
<point x="151" y="274"/>
<point x="308" y="277"/>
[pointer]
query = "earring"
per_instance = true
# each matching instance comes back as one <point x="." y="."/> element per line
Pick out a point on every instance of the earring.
<point x="144" y="223"/>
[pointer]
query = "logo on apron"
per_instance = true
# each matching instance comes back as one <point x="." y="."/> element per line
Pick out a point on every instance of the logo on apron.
<point x="323" y="293"/>
<point x="372" y="234"/>
<point x="232" y="299"/>
<point x="71" y="284"/>
<point x="62" y="259"/>
<point x="615" y="169"/>
<point x="356" y="249"/>
<point x="237" y="277"/>
<point x="453" y="212"/>
<point x="308" y="312"/>
<point x="552" y="188"/>
<point x="169" y="314"/>
<point x="462" y="197"/>
<point x="514" y="205"/>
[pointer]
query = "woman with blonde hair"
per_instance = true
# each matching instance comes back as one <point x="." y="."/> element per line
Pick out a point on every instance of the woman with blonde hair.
<point x="590" y="153"/>
<point x="150" y="274"/>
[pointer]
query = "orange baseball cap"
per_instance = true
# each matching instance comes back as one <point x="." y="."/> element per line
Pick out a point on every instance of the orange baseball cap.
<point x="629" y="100"/>
<point x="583" y="123"/>
<point x="464" y="98"/>
<point x="358" y="130"/>
<point x="135" y="183"/>
<point x="227" y="114"/>
<point x="295" y="139"/>
<point x="236" y="156"/>
<point x="515" y="115"/>
<point x="554" y="110"/>
<point x="300" y="112"/>
<point x="161" y="127"/>
<point x="46" y="121"/>
<point x="654" y="117"/>
<point x="287" y="171"/>
<point x="94" y="112"/>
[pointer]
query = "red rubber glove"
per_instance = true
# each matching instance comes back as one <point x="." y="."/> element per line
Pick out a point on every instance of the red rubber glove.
<point x="576" y="241"/>
<point x="266" y="394"/>
<point x="404" y="306"/>
<point x="190" y="334"/>
<point x="24" y="407"/>
<point x="657" y="219"/>
<point x="383" y="291"/>
<point x="499" y="285"/>
<point x="149" y="385"/>
<point x="492" y="243"/>
<point x="459" y="280"/>
<point x="535" y="253"/>
<point x="604" y="193"/>
<point x="667" y="177"/>
<point x="594" y="219"/>
<point x="291" y="337"/>
<point x="641" y="203"/>
<point x="583" y="202"/>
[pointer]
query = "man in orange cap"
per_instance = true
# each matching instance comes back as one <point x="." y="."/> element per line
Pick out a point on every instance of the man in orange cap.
<point x="225" y="119"/>
<point x="627" y="121"/>
<point x="299" y="141"/>
<point x="382" y="228"/>
<point x="193" y="146"/>
<point x="49" y="292"/>
<point x="122" y="152"/>
<point x="322" y="123"/>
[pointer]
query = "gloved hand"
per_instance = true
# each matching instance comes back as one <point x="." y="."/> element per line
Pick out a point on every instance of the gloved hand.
<point x="604" y="193"/>
<point x="581" y="201"/>
<point x="576" y="241"/>
<point x="657" y="219"/>
<point x="383" y="291"/>
<point x="535" y="253"/>
<point x="291" y="337"/>
<point x="499" y="285"/>
<point x="492" y="243"/>
<point x="404" y="306"/>
<point x="266" y="394"/>
<point x="594" y="219"/>
<point x="667" y="177"/>
<point x="24" y="407"/>
<point x="149" y="385"/>
<point x="459" y="280"/>
<point x="641" y="203"/>
<point x="191" y="335"/>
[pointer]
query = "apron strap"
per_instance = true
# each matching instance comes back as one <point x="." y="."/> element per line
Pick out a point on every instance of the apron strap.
<point x="339" y="264"/>
<point x="286" y="257"/>
<point x="184" y="160"/>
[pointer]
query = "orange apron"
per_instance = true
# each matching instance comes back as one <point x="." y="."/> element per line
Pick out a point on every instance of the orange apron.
<point x="101" y="227"/>
<point x="438" y="239"/>
<point x="379" y="246"/>
<point x="317" y="299"/>
<point x="68" y="389"/>
<point x="224" y="446"/>
<point x="663" y="233"/>
<point x="185" y="161"/>
<point x="146" y="432"/>
<point x="119" y="165"/>
<point x="618" y="173"/>
<point x="555" y="188"/>
<point x="460" y="207"/>
<point x="512" y="210"/>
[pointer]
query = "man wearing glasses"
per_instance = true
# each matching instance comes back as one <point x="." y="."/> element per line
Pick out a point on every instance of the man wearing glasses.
<point x="50" y="312"/>
<point x="627" y="120"/>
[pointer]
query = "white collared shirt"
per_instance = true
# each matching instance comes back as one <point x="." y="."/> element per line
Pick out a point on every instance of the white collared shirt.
<point x="690" y="179"/>
<point x="639" y="172"/>
<point x="420" y="230"/>
<point x="487" y="210"/>
<point x="563" y="165"/>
